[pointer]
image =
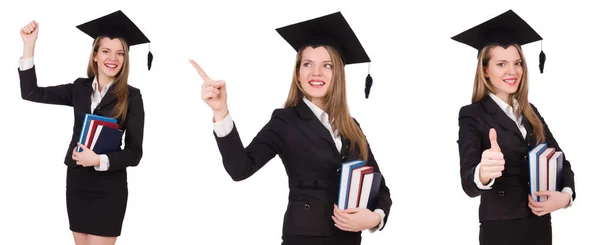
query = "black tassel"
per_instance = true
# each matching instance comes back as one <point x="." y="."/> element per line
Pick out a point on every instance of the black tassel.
<point x="368" y="84"/>
<point x="542" y="61"/>
<point x="542" y="57"/>
<point x="150" y="58"/>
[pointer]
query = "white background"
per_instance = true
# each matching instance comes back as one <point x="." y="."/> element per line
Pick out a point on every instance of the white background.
<point x="180" y="193"/>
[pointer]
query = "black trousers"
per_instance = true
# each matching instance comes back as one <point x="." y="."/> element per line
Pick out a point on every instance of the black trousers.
<point x="532" y="230"/>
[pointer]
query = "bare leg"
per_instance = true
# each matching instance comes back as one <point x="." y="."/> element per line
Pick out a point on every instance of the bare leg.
<point x="80" y="238"/>
<point x="101" y="240"/>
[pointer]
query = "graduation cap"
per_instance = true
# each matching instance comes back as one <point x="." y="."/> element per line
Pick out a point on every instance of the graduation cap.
<point x="116" y="25"/>
<point x="504" y="30"/>
<point x="331" y="30"/>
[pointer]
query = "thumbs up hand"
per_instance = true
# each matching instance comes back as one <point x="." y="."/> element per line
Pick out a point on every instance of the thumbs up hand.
<point x="492" y="161"/>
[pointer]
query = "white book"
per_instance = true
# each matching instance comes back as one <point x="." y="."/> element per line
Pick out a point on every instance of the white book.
<point x="543" y="171"/>
<point x="533" y="158"/>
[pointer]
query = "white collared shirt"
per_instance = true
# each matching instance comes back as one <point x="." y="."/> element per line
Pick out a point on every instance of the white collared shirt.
<point x="224" y="127"/>
<point x="324" y="119"/>
<point x="510" y="112"/>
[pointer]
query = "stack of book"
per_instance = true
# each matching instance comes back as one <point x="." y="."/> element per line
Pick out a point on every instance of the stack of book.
<point x="545" y="170"/>
<point x="359" y="186"/>
<point x="100" y="134"/>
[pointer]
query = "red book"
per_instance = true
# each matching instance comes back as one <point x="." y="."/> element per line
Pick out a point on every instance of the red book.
<point x="356" y="185"/>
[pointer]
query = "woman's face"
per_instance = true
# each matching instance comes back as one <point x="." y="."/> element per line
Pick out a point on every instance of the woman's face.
<point x="110" y="57"/>
<point x="504" y="70"/>
<point x="316" y="72"/>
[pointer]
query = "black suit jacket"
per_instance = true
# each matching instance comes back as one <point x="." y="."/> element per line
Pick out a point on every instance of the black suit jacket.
<point x="508" y="197"/>
<point x="312" y="163"/>
<point x="77" y="95"/>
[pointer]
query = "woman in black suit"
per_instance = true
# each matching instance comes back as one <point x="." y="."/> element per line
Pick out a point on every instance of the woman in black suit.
<point x="96" y="184"/>
<point x="496" y="133"/>
<point x="313" y="135"/>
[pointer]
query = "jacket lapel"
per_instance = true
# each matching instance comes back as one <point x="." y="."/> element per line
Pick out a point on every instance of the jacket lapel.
<point x="501" y="117"/>
<point x="529" y="129"/>
<point x="314" y="124"/>
<point x="108" y="98"/>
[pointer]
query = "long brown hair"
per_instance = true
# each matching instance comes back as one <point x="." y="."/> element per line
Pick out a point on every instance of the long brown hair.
<point x="121" y="88"/>
<point x="482" y="86"/>
<point x="335" y="102"/>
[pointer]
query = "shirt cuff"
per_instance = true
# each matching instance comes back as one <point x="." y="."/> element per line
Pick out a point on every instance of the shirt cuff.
<point x="25" y="63"/>
<point x="478" y="182"/>
<point x="380" y="212"/>
<point x="104" y="163"/>
<point x="570" y="191"/>
<point x="224" y="127"/>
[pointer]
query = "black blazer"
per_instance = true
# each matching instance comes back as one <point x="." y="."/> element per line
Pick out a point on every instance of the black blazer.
<point x="312" y="163"/>
<point x="77" y="95"/>
<point x="508" y="197"/>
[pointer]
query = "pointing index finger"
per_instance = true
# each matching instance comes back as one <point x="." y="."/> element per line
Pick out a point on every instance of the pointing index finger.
<point x="200" y="71"/>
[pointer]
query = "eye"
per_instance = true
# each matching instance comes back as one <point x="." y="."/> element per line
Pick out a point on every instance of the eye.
<point x="105" y="51"/>
<point x="501" y="64"/>
<point x="306" y="64"/>
<point x="328" y="66"/>
<point x="121" y="54"/>
<point x="518" y="63"/>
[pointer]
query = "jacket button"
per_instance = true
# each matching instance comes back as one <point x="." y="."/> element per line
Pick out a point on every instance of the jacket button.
<point x="501" y="193"/>
<point x="306" y="206"/>
<point x="343" y="157"/>
<point x="338" y="171"/>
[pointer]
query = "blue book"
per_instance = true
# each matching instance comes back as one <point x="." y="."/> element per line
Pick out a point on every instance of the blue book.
<point x="345" y="177"/>
<point x="534" y="173"/>
<point x="108" y="140"/>
<point x="86" y="124"/>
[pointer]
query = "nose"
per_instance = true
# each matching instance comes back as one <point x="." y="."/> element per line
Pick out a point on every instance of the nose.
<point x="512" y="69"/>
<point x="112" y="56"/>
<point x="316" y="71"/>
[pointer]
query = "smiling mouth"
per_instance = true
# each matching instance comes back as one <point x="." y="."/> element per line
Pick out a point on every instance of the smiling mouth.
<point x="316" y="83"/>
<point x="111" y="66"/>
<point x="511" y="81"/>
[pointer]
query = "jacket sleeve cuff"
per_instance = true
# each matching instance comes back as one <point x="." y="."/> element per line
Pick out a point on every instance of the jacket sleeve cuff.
<point x="224" y="127"/>
<point x="25" y="63"/>
<point x="104" y="163"/>
<point x="570" y="191"/>
<point x="381" y="223"/>
<point x="478" y="182"/>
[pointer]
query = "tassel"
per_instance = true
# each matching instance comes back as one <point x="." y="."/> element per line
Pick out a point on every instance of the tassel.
<point x="368" y="83"/>
<point x="542" y="61"/>
<point x="150" y="57"/>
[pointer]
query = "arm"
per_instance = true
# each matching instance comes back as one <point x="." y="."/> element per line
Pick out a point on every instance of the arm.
<point x="384" y="200"/>
<point x="57" y="95"/>
<point x="131" y="154"/>
<point x="470" y="150"/>
<point x="242" y="162"/>
<point x="568" y="176"/>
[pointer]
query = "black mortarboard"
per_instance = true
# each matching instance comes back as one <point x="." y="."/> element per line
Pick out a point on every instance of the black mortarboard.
<point x="116" y="25"/>
<point x="504" y="30"/>
<point x="332" y="30"/>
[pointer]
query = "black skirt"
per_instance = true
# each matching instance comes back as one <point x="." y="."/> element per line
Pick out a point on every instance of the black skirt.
<point x="352" y="239"/>
<point x="532" y="230"/>
<point x="96" y="201"/>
